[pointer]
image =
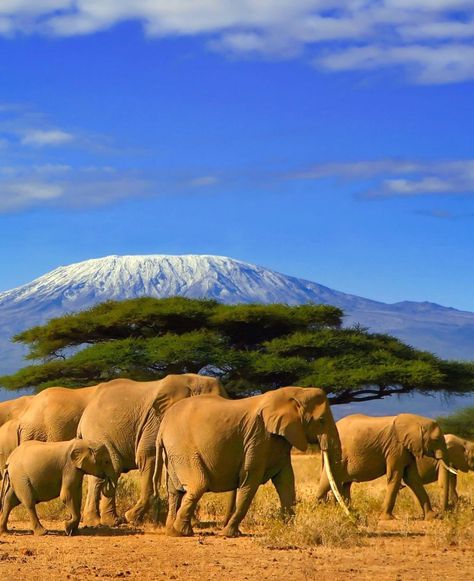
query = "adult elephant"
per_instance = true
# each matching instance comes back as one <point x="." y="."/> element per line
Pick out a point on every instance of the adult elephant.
<point x="125" y="415"/>
<point x="53" y="415"/>
<point x="216" y="445"/>
<point x="460" y="457"/>
<point x="374" y="446"/>
<point x="13" y="408"/>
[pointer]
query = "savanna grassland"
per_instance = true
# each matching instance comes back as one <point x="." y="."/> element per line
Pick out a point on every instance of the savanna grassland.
<point x="320" y="543"/>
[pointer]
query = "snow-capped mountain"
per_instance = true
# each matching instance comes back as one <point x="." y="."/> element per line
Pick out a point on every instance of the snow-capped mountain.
<point x="445" y="331"/>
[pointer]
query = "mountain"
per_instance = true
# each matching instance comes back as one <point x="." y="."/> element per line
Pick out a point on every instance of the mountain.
<point x="442" y="330"/>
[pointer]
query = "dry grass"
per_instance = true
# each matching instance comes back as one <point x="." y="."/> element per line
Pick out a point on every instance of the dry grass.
<point x="316" y="524"/>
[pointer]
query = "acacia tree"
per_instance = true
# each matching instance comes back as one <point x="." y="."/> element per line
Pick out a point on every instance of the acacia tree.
<point x="254" y="348"/>
<point x="460" y="423"/>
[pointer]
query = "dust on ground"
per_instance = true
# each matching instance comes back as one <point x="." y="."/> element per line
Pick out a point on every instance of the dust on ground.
<point x="389" y="552"/>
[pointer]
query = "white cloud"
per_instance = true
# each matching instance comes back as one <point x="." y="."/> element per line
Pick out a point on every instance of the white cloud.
<point x="25" y="187"/>
<point x="46" y="137"/>
<point x="432" y="39"/>
<point x="203" y="181"/>
<point x="387" y="178"/>
<point x="428" y="65"/>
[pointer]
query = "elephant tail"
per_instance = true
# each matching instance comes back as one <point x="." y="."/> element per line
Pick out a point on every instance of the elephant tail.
<point x="5" y="487"/>
<point x="158" y="467"/>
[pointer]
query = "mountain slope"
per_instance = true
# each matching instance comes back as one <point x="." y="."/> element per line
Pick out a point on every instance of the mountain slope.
<point x="446" y="331"/>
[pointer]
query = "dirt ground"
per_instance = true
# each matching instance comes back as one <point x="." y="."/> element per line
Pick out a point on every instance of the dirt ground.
<point x="387" y="553"/>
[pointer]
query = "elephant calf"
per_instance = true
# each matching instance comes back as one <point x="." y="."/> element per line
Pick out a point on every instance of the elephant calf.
<point x="40" y="471"/>
<point x="460" y="457"/>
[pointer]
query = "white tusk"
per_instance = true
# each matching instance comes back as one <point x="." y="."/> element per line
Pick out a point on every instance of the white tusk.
<point x="446" y="467"/>
<point x="333" y="484"/>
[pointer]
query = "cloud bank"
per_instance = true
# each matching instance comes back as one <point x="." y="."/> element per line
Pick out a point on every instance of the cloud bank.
<point x="390" y="178"/>
<point x="431" y="40"/>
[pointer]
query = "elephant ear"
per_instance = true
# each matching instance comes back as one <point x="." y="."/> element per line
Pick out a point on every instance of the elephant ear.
<point x="409" y="433"/>
<point x="283" y="416"/>
<point x="79" y="456"/>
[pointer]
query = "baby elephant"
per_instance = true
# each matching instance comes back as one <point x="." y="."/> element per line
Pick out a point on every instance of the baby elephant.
<point x="41" y="471"/>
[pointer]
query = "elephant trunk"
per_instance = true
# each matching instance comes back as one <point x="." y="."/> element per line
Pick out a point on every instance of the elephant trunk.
<point x="108" y="487"/>
<point x="110" y="483"/>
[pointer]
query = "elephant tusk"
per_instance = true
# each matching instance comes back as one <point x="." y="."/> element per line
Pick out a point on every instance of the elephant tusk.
<point x="333" y="485"/>
<point x="446" y="467"/>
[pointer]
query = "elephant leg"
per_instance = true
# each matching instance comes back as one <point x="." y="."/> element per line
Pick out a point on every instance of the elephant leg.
<point x="245" y="495"/>
<point x="137" y="512"/>
<point x="108" y="511"/>
<point x="10" y="500"/>
<point x="37" y="528"/>
<point x="452" y="484"/>
<point x="413" y="481"/>
<point x="91" y="516"/>
<point x="284" y="483"/>
<point x="175" y="498"/>
<point x="230" y="508"/>
<point x="182" y="523"/>
<point x="394" y="478"/>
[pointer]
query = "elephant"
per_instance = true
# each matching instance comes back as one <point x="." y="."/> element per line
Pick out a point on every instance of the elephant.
<point x="125" y="415"/>
<point x="391" y="445"/>
<point x="8" y="442"/>
<point x="40" y="471"/>
<point x="214" y="445"/>
<point x="460" y="457"/>
<point x="53" y="415"/>
<point x="13" y="408"/>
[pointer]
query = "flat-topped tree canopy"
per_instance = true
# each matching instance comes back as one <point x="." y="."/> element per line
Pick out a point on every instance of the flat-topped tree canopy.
<point x="253" y="347"/>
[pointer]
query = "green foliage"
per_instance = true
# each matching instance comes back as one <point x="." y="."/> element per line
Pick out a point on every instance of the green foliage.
<point x="252" y="347"/>
<point x="460" y="423"/>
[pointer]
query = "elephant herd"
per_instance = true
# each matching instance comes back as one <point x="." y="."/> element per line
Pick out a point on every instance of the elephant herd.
<point x="49" y="441"/>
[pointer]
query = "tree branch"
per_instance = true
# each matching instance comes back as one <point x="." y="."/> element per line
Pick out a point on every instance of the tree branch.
<point x="348" y="396"/>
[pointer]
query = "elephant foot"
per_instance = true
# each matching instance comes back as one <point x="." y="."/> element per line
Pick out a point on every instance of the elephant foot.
<point x="134" y="516"/>
<point x="39" y="531"/>
<point x="111" y="520"/>
<point x="91" y="520"/>
<point x="184" y="529"/>
<point x="230" y="532"/>
<point x="172" y="532"/>
<point x="386" y="516"/>
<point x="431" y="515"/>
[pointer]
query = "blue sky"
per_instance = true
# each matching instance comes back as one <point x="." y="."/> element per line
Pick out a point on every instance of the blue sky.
<point x="328" y="140"/>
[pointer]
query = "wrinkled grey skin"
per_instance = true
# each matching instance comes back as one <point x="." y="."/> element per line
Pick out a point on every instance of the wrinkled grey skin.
<point x="13" y="408"/>
<point x="460" y="457"/>
<point x="374" y="446"/>
<point x="10" y="411"/>
<point x="41" y="471"/>
<point x="53" y="415"/>
<point x="125" y="415"/>
<point x="217" y="445"/>
<point x="8" y="442"/>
